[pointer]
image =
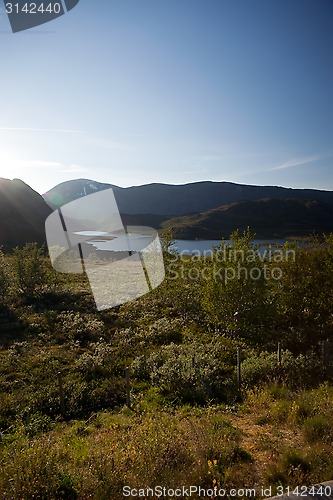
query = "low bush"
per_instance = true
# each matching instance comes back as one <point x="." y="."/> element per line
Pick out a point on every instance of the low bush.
<point x="193" y="373"/>
<point x="317" y="428"/>
<point x="29" y="268"/>
<point x="296" y="372"/>
<point x="4" y="278"/>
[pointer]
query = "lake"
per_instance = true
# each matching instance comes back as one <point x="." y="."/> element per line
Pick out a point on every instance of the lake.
<point x="137" y="242"/>
<point x="190" y="246"/>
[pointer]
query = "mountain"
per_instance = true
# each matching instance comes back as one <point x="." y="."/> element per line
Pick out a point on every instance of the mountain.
<point x="72" y="190"/>
<point x="267" y="218"/>
<point x="291" y="212"/>
<point x="22" y="214"/>
<point x="179" y="200"/>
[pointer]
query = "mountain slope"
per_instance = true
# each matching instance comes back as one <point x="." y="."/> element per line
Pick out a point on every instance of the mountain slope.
<point x="22" y="214"/>
<point x="72" y="190"/>
<point x="268" y="218"/>
<point x="23" y="211"/>
<point x="177" y="200"/>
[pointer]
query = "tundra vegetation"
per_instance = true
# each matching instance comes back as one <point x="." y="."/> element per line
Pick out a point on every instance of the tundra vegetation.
<point x="190" y="421"/>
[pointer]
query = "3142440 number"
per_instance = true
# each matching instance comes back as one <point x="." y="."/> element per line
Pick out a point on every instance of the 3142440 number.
<point x="33" y="8"/>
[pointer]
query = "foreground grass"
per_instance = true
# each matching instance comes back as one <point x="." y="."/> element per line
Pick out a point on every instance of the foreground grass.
<point x="275" y="437"/>
<point x="189" y="423"/>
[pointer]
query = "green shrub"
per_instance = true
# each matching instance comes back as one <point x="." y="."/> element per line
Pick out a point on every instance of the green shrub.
<point x="66" y="487"/>
<point x="297" y="371"/>
<point x="98" y="362"/>
<point x="295" y="463"/>
<point x="165" y="331"/>
<point x="291" y="469"/>
<point x="82" y="396"/>
<point x="29" y="269"/>
<point x="192" y="372"/>
<point x="36" y="424"/>
<point x="317" y="428"/>
<point x="4" y="278"/>
<point x="76" y="326"/>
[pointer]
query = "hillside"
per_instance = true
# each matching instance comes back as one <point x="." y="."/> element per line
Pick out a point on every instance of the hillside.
<point x="23" y="211"/>
<point x="179" y="200"/>
<point x="210" y="380"/>
<point x="267" y="218"/>
<point x="22" y="214"/>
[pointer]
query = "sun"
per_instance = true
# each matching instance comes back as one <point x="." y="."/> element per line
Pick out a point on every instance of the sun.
<point x="10" y="164"/>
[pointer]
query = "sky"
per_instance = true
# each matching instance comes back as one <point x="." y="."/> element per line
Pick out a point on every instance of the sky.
<point x="132" y="92"/>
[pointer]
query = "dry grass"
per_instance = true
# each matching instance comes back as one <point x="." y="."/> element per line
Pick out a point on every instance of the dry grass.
<point x="190" y="446"/>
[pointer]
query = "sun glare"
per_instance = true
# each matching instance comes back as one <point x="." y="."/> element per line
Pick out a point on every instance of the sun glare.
<point x="10" y="164"/>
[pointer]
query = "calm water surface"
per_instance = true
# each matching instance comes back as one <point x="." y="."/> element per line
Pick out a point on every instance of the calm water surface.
<point x="190" y="246"/>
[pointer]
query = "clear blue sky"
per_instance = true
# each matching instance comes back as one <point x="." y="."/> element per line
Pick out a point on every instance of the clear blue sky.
<point x="137" y="91"/>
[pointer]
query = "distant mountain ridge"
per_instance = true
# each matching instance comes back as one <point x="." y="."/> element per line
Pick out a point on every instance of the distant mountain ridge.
<point x="179" y="200"/>
<point x="267" y="218"/>
<point x="22" y="214"/>
<point x="290" y="212"/>
<point x="212" y="210"/>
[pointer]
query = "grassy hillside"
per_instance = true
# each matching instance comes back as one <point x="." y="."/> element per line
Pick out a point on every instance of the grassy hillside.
<point x="191" y="422"/>
<point x="269" y="218"/>
<point x="273" y="440"/>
